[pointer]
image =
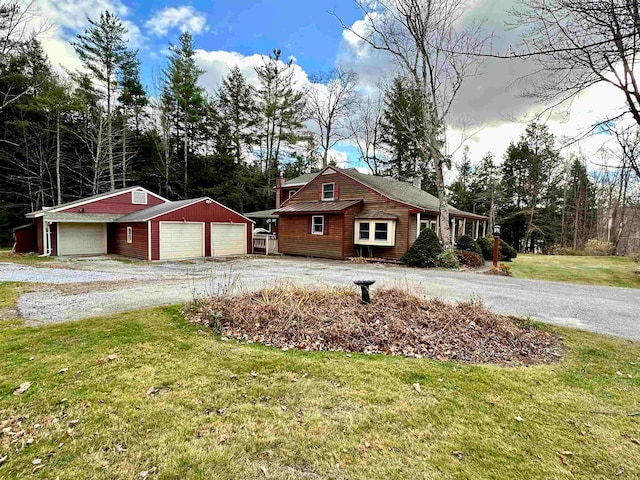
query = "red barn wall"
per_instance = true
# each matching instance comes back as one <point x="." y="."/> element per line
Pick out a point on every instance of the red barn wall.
<point x="200" y="212"/>
<point x="120" y="203"/>
<point x="117" y="240"/>
<point x="26" y="239"/>
<point x="295" y="239"/>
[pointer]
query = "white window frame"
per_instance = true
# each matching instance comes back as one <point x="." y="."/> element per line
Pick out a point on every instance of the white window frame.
<point x="371" y="241"/>
<point x="292" y="193"/>
<point x="133" y="197"/>
<point x="333" y="192"/>
<point x="129" y="234"/>
<point x="429" y="223"/>
<point x="313" y="225"/>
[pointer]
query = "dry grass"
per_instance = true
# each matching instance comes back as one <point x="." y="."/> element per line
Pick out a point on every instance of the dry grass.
<point x="394" y="323"/>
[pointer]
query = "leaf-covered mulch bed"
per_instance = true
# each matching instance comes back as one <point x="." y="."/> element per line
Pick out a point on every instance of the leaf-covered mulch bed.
<point x="395" y="323"/>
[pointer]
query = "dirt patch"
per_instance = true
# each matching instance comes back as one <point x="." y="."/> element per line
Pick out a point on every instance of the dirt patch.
<point x="395" y="323"/>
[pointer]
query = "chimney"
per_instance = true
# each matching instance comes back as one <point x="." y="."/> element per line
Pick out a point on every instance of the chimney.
<point x="417" y="182"/>
<point x="280" y="181"/>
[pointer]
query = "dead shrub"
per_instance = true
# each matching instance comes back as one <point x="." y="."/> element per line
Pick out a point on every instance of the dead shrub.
<point x="395" y="323"/>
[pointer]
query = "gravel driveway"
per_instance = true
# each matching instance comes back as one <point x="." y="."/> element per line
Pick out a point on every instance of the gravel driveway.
<point x="121" y="287"/>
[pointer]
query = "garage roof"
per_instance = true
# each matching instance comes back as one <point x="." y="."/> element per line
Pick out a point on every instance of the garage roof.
<point x="152" y="212"/>
<point x="83" y="217"/>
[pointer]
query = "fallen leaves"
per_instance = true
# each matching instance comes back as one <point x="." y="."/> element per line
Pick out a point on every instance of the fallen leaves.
<point x="22" y="388"/>
<point x="395" y="323"/>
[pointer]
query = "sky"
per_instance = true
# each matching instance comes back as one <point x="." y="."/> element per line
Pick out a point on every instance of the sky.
<point x="490" y="110"/>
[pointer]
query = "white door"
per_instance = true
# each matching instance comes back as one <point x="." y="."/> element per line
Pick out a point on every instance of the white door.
<point x="181" y="240"/>
<point x="82" y="238"/>
<point x="228" y="239"/>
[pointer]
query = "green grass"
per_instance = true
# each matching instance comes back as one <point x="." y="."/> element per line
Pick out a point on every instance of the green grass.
<point x="352" y="417"/>
<point x="612" y="271"/>
<point x="8" y="294"/>
<point x="7" y="256"/>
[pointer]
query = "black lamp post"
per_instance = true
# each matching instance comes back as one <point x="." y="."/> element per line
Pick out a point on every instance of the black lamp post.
<point x="496" y="244"/>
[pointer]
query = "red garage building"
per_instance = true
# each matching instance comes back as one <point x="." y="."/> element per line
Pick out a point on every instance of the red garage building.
<point x="138" y="223"/>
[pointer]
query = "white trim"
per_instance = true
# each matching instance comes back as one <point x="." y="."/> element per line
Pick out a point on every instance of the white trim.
<point x="371" y="241"/>
<point x="321" y="232"/>
<point x="418" y="226"/>
<point x="78" y="203"/>
<point x="195" y="201"/>
<point x="133" y="197"/>
<point x="149" y="240"/>
<point x="129" y="234"/>
<point x="292" y="192"/>
<point x="333" y="191"/>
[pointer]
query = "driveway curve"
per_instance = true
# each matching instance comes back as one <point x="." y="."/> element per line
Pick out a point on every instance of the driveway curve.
<point x="121" y="287"/>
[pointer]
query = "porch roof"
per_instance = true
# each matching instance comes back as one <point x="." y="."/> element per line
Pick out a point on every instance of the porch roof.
<point x="77" y="217"/>
<point x="317" y="207"/>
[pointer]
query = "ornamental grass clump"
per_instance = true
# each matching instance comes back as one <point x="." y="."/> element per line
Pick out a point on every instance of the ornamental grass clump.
<point x="395" y="323"/>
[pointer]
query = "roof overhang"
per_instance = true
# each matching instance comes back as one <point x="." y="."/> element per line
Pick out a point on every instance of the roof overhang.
<point x="74" y="217"/>
<point x="333" y="206"/>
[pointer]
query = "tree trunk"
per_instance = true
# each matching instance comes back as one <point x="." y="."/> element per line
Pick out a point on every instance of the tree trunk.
<point x="124" y="151"/>
<point x="186" y="148"/>
<point x="58" y="180"/>
<point x="112" y="180"/>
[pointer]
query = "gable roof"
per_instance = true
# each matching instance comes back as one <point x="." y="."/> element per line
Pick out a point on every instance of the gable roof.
<point x="402" y="192"/>
<point x="157" y="210"/>
<point x="91" y="199"/>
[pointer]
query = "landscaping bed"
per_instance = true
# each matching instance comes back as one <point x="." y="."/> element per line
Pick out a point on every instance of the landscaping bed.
<point x="395" y="323"/>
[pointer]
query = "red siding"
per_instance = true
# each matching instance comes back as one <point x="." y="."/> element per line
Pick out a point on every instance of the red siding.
<point x="117" y="240"/>
<point x="291" y="242"/>
<point x="295" y="238"/>
<point x="120" y="203"/>
<point x="200" y="212"/>
<point x="26" y="239"/>
<point x="39" y="235"/>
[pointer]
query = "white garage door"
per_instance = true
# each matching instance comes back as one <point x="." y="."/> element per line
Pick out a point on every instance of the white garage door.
<point x="228" y="239"/>
<point x="181" y="240"/>
<point x="82" y="238"/>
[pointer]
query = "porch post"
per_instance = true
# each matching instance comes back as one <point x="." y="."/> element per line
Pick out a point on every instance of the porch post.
<point x="418" y="225"/>
<point x="484" y="228"/>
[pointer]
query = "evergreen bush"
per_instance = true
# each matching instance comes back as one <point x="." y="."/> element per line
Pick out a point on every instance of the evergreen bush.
<point x="486" y="247"/>
<point x="424" y="251"/>
<point x="448" y="259"/>
<point x="465" y="242"/>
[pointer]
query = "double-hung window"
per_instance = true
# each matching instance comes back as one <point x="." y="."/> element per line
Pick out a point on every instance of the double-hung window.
<point x="328" y="190"/>
<point x="381" y="231"/>
<point x="364" y="231"/>
<point x="317" y="225"/>
<point x="129" y="234"/>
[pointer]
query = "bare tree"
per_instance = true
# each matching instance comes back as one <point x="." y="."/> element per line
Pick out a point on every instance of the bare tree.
<point x="580" y="43"/>
<point x="421" y="35"/>
<point x="363" y="123"/>
<point x="329" y="99"/>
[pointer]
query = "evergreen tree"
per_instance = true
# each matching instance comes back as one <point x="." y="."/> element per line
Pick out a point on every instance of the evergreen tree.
<point x="182" y="76"/>
<point x="282" y="108"/>
<point x="103" y="49"/>
<point x="236" y="102"/>
<point x="461" y="195"/>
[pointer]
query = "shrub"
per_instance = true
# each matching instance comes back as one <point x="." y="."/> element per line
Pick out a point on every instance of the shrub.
<point x="598" y="248"/>
<point x="486" y="247"/>
<point x="424" y="251"/>
<point x="465" y="242"/>
<point x="507" y="252"/>
<point x="501" y="269"/>
<point x="448" y="259"/>
<point x="469" y="259"/>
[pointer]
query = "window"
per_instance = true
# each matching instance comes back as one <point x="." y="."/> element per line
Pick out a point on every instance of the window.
<point x="327" y="191"/>
<point x="129" y="234"/>
<point x="382" y="231"/>
<point x="292" y="193"/>
<point x="364" y="231"/>
<point x="317" y="225"/>
<point x="432" y="224"/>
<point x="139" y="197"/>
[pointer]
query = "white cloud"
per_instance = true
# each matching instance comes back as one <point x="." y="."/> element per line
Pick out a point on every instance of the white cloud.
<point x="217" y="64"/>
<point x="185" y="19"/>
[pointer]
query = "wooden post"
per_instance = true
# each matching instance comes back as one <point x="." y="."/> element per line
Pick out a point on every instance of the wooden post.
<point x="418" y="227"/>
<point x="496" y="242"/>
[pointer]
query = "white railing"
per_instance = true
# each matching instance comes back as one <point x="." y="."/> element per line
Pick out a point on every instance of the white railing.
<point x="265" y="245"/>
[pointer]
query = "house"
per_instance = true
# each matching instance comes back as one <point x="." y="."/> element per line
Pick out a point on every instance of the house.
<point x="340" y="213"/>
<point x="137" y="223"/>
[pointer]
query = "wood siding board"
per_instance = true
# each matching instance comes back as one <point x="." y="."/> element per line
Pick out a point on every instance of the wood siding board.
<point x="350" y="189"/>
<point x="117" y="242"/>
<point x="117" y="204"/>
<point x="295" y="239"/>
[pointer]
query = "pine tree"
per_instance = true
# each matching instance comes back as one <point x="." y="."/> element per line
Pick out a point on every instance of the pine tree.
<point x="282" y="108"/>
<point x="102" y="48"/>
<point x="182" y="76"/>
<point x="236" y="102"/>
<point x="133" y="99"/>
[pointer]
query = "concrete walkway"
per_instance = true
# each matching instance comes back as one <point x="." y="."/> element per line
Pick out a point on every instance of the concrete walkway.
<point x="609" y="310"/>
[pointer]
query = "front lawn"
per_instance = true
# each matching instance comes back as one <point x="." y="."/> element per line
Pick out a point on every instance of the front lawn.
<point x="611" y="271"/>
<point x="21" y="258"/>
<point x="193" y="406"/>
